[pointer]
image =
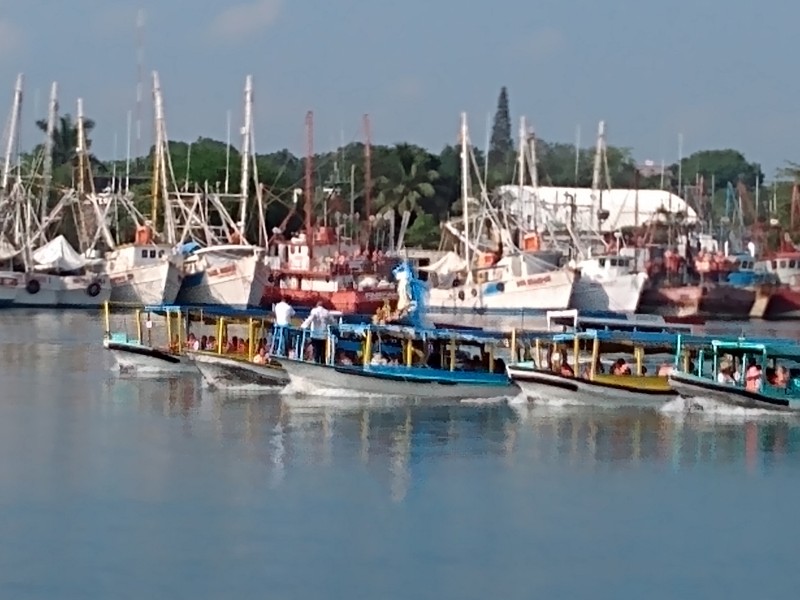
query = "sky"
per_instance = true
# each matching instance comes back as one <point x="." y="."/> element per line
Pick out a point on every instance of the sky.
<point x="715" y="74"/>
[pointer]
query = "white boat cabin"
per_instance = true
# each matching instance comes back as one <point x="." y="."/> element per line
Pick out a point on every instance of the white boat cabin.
<point x="134" y="256"/>
<point x="786" y="267"/>
<point x="606" y="268"/>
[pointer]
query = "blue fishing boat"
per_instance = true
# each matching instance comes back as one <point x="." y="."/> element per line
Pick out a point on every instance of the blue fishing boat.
<point x="749" y="374"/>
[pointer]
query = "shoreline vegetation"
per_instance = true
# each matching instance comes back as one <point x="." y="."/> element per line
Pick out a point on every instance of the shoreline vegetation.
<point x="406" y="177"/>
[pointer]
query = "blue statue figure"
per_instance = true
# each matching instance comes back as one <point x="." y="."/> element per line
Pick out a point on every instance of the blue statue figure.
<point x="411" y="296"/>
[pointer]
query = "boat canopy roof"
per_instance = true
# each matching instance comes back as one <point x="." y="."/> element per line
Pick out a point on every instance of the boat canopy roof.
<point x="476" y="336"/>
<point x="772" y="348"/>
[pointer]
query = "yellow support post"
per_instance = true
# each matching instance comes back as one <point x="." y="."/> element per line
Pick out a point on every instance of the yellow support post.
<point x="453" y="353"/>
<point x="595" y="357"/>
<point x="251" y="332"/>
<point x="576" y="351"/>
<point x="639" y="360"/>
<point x="491" y="359"/>
<point x="107" y="314"/>
<point x="514" y="345"/>
<point x="538" y="348"/>
<point x="221" y="326"/>
<point x="179" y="322"/>
<point x="139" y="326"/>
<point x="368" y="348"/>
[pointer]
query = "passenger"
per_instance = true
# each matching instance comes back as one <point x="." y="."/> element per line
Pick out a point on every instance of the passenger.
<point x="343" y="359"/>
<point x="211" y="344"/>
<point x="204" y="342"/>
<point x="318" y="320"/>
<point x="782" y="377"/>
<point x="283" y="312"/>
<point x="499" y="366"/>
<point x="752" y="377"/>
<point x="620" y="367"/>
<point x="192" y="343"/>
<point x="664" y="370"/>
<point x="771" y="376"/>
<point x="725" y="374"/>
<point x="233" y="345"/>
<point x="261" y="356"/>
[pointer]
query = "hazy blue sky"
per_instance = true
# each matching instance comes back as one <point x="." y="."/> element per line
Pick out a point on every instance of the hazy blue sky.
<point x="722" y="74"/>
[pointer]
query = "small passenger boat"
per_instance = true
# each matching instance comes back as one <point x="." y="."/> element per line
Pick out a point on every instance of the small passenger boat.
<point x="401" y="361"/>
<point x="141" y="353"/>
<point x="549" y="372"/>
<point x="742" y="373"/>
<point x="243" y="364"/>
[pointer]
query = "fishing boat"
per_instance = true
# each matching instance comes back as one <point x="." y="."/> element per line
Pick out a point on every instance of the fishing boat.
<point x="142" y="353"/>
<point x="742" y="373"/>
<point x="608" y="283"/>
<point x="548" y="371"/>
<point x="224" y="362"/>
<point x="402" y="361"/>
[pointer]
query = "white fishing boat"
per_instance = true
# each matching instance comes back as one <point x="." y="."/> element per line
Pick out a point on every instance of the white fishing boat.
<point x="507" y="280"/>
<point x="608" y="283"/>
<point x="231" y="275"/>
<point x="144" y="274"/>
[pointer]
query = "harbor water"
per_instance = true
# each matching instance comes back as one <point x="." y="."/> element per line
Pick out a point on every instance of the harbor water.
<point x="114" y="487"/>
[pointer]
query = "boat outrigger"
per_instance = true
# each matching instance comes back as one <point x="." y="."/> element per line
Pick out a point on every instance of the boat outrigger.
<point x="150" y="350"/>
<point x="547" y="370"/>
<point x="743" y="373"/>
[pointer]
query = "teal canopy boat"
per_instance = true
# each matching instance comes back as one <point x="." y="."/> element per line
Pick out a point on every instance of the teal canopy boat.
<point x="749" y="374"/>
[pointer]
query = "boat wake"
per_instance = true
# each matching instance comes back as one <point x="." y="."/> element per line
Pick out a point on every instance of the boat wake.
<point x="714" y="409"/>
<point x="303" y="387"/>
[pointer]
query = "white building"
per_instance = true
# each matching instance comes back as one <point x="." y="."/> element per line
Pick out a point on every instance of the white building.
<point x="626" y="208"/>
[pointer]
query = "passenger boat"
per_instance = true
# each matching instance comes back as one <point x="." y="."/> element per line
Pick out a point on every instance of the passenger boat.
<point x="402" y="361"/>
<point x="224" y="366"/>
<point x="584" y="382"/>
<point x="608" y="321"/>
<point x="759" y="385"/>
<point x="141" y="353"/>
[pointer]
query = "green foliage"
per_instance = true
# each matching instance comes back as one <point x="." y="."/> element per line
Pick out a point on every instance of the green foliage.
<point x="424" y="232"/>
<point x="726" y="166"/>
<point x="501" y="145"/>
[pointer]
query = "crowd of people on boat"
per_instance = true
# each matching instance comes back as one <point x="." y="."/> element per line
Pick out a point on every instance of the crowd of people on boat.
<point x="754" y="375"/>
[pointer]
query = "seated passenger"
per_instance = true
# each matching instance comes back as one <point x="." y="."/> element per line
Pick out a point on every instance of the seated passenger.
<point x="752" y="377"/>
<point x="664" y="370"/>
<point x="261" y="357"/>
<point x="725" y="374"/>
<point x="620" y="367"/>
<point x="782" y="377"/>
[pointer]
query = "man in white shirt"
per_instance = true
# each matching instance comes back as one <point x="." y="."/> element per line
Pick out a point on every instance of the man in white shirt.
<point x="283" y="313"/>
<point x="318" y="320"/>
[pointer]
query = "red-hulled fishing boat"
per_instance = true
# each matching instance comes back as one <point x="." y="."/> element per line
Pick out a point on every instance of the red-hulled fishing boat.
<point x="330" y="270"/>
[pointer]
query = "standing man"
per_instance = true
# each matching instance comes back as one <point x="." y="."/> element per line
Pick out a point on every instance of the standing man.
<point x="283" y="312"/>
<point x="318" y="319"/>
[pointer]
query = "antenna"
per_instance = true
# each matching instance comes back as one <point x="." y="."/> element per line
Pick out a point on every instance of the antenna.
<point x="139" y="79"/>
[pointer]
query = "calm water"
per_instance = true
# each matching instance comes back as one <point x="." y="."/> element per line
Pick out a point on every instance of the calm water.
<point x="114" y="488"/>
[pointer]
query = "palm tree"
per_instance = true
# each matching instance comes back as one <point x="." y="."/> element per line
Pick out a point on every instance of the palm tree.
<point x="65" y="139"/>
<point x="410" y="182"/>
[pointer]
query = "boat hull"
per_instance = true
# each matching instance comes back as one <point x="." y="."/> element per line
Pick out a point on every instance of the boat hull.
<point x="784" y="304"/>
<point x="621" y="294"/>
<point x="156" y="284"/>
<point x="131" y="357"/>
<point x="399" y="381"/>
<point x="541" y="292"/>
<point x="691" y="386"/>
<point x="237" y="282"/>
<point x="56" y="291"/>
<point x="346" y="301"/>
<point x="605" y="391"/>
<point x="718" y="301"/>
<point x="219" y="370"/>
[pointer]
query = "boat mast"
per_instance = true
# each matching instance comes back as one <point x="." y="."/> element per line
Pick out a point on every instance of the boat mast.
<point x="368" y="178"/>
<point x="13" y="131"/>
<point x="52" y="113"/>
<point x="246" y="151"/>
<point x="309" y="183"/>
<point x="465" y="191"/>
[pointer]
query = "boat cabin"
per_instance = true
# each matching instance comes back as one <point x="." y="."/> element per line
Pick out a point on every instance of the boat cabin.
<point x="606" y="268"/>
<point x="786" y="267"/>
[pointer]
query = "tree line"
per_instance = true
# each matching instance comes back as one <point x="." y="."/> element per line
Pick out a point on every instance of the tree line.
<point x="407" y="177"/>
